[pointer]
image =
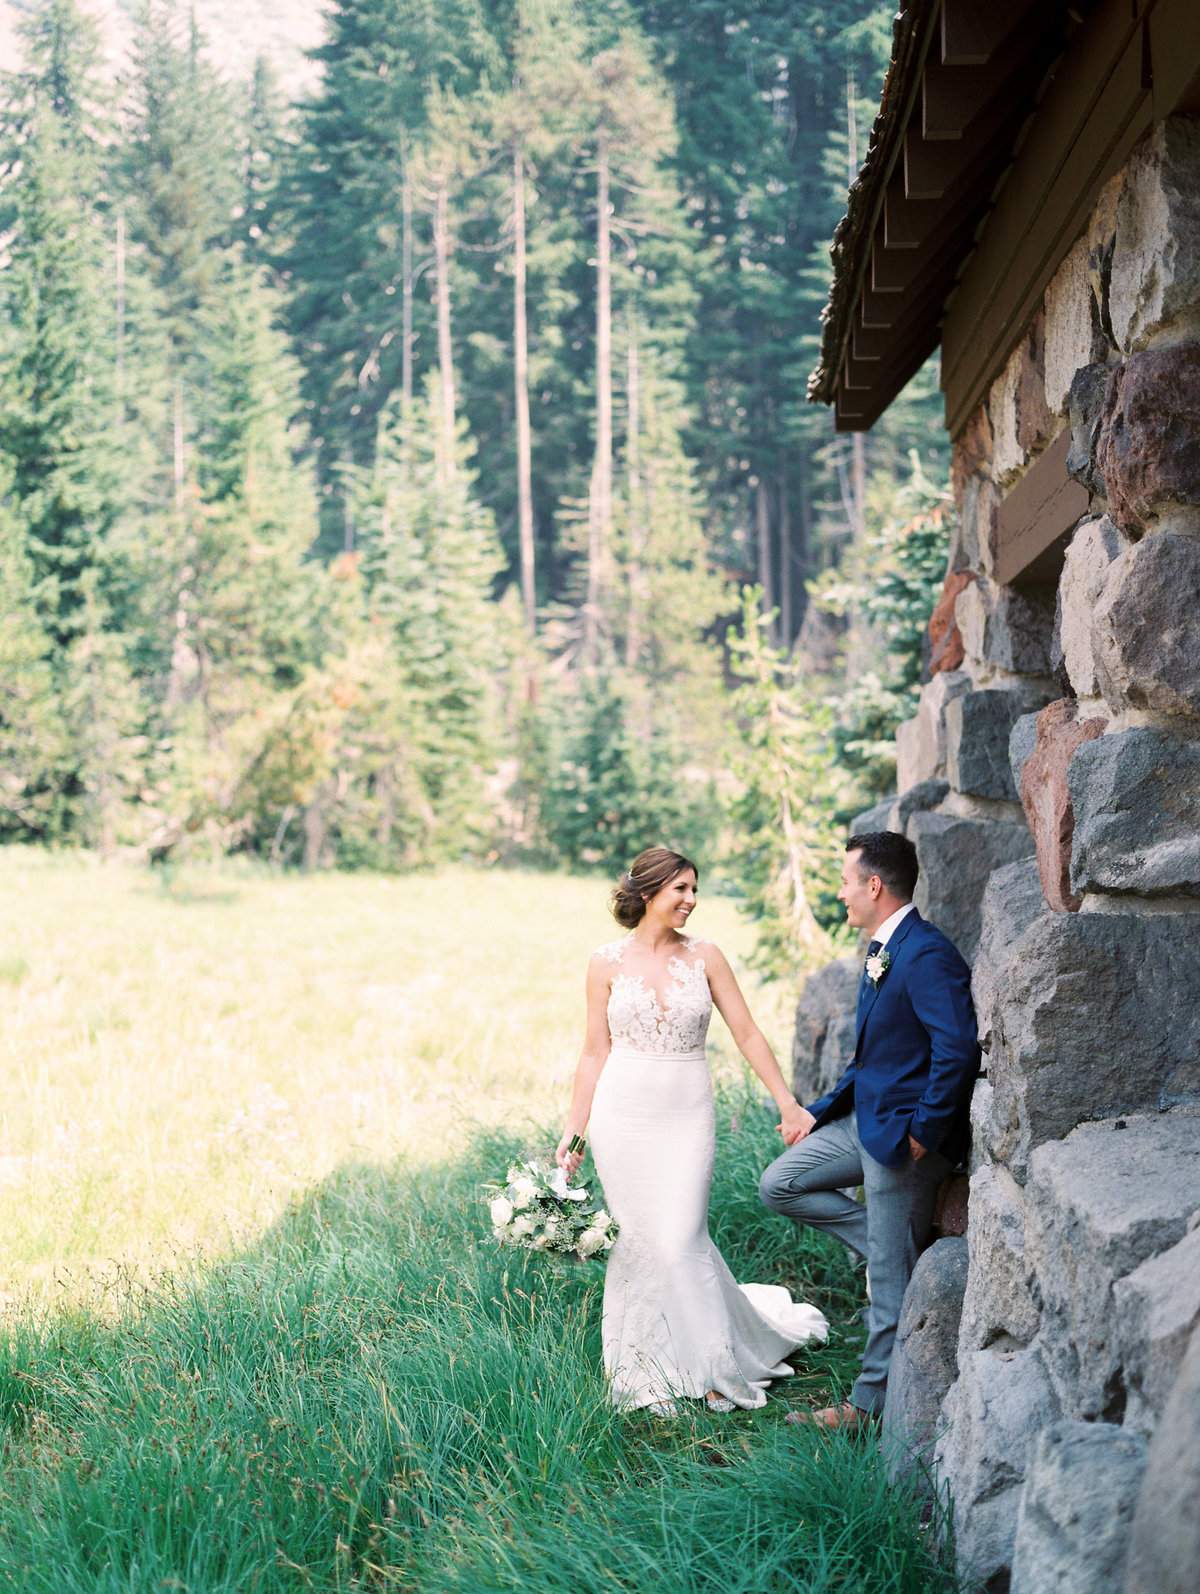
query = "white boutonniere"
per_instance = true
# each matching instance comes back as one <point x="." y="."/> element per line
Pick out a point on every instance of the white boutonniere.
<point x="878" y="965"/>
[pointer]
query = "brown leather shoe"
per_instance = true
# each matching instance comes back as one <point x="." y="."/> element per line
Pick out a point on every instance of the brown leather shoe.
<point x="844" y="1418"/>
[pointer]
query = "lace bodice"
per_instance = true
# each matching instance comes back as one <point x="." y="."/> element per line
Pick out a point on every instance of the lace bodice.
<point x="637" y="1019"/>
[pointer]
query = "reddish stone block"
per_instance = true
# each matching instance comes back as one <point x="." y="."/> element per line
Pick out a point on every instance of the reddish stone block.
<point x="972" y="452"/>
<point x="945" y="639"/>
<point x="1047" y="801"/>
<point x="1149" y="447"/>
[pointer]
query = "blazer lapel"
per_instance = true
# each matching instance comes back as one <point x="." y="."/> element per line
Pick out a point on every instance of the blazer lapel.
<point x="893" y="947"/>
<point x="864" y="1007"/>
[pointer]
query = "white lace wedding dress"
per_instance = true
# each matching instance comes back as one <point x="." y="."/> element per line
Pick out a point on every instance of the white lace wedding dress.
<point x="676" y="1323"/>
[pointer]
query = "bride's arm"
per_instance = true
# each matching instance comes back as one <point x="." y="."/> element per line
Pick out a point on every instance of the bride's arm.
<point x="795" y="1120"/>
<point x="596" y="1046"/>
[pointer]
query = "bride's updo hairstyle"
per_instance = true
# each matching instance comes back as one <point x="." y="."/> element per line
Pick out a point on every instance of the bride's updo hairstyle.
<point x="647" y="875"/>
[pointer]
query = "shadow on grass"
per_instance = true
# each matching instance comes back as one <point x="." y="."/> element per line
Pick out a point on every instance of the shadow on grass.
<point x="376" y="1397"/>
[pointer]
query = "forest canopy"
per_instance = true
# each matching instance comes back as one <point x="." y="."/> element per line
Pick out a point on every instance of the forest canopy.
<point x="382" y="476"/>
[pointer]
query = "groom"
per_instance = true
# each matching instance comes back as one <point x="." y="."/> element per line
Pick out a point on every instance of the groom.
<point x="897" y="1121"/>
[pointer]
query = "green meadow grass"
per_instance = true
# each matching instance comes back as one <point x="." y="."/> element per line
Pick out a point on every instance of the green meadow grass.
<point x="325" y="1375"/>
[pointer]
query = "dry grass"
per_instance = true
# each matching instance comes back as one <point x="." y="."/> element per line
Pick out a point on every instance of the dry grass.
<point x="181" y="1057"/>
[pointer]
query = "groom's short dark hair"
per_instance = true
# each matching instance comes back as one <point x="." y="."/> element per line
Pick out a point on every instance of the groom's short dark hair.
<point x="889" y="855"/>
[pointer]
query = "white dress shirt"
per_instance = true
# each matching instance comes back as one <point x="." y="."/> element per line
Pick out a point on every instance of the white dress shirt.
<point x="889" y="926"/>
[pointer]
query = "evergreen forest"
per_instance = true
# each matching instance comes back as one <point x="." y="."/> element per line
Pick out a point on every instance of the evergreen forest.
<point x="422" y="472"/>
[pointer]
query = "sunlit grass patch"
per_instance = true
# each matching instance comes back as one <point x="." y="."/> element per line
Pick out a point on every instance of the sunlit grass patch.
<point x="185" y="1053"/>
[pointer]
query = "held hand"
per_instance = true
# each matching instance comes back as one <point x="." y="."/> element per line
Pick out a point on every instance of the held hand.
<point x="918" y="1151"/>
<point x="567" y="1159"/>
<point x="796" y="1122"/>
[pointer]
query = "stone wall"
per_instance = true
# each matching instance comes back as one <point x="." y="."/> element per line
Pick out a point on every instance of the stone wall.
<point x="1051" y="784"/>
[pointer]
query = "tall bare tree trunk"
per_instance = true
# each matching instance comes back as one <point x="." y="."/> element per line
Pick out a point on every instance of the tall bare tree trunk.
<point x="441" y="251"/>
<point x="786" y="573"/>
<point x="637" y="530"/>
<point x="348" y="533"/>
<point x="120" y="319"/>
<point x="762" y="517"/>
<point x="178" y="443"/>
<point x="858" y="482"/>
<point x="406" y="288"/>
<point x="521" y="380"/>
<point x="600" y="500"/>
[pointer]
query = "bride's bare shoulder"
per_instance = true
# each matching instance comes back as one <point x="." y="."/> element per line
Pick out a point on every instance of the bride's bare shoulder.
<point x="708" y="950"/>
<point x="612" y="951"/>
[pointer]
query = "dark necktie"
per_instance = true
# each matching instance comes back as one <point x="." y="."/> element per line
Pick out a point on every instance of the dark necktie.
<point x="864" y="984"/>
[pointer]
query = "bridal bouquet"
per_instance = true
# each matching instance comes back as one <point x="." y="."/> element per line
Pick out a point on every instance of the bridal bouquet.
<point x="537" y="1209"/>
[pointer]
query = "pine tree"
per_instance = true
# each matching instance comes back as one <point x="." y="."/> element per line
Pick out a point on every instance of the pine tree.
<point x="415" y="740"/>
<point x="672" y="596"/>
<point x="103" y="716"/>
<point x="340" y="210"/>
<point x="33" y="740"/>
<point x="56" y="340"/>
<point x="788" y="816"/>
<point x="612" y="787"/>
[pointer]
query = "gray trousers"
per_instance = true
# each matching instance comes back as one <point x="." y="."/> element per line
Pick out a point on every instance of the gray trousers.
<point x="807" y="1183"/>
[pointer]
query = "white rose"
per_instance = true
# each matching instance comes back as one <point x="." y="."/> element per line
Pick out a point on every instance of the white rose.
<point x="521" y="1228"/>
<point x="601" y="1220"/>
<point x="590" y="1241"/>
<point x="523" y="1192"/>
<point x="541" y="1243"/>
<point x="501" y="1211"/>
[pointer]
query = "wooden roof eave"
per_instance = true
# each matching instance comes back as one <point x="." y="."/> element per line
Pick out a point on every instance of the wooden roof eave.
<point x="913" y="30"/>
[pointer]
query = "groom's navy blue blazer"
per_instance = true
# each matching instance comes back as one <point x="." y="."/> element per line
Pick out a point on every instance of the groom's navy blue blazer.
<point x="917" y="1052"/>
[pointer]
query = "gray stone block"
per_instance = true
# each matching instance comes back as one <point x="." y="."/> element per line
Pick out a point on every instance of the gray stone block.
<point x="998" y="1309"/>
<point x="873" y="818"/>
<point x="1022" y="740"/>
<point x="1012" y="900"/>
<point x="1072" y="337"/>
<point x="924" y="1361"/>
<point x="1164" y="1546"/>
<point x="1155" y="278"/>
<point x="978" y="727"/>
<point x="1098" y="1205"/>
<point x="956" y="858"/>
<point x="1136" y="796"/>
<point x="994" y="1412"/>
<point x="825" y="1027"/>
<point x="917" y="800"/>
<point x="1007" y="627"/>
<point x="921" y="741"/>
<point x="1146" y="628"/>
<point x="1090" y="556"/>
<point x="1085" y="407"/>
<point x="1157" y="1310"/>
<point x="1099" y="1018"/>
<point x="1076" y="1511"/>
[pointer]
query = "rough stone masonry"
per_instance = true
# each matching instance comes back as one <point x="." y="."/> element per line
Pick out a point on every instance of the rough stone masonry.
<point x="1051" y="784"/>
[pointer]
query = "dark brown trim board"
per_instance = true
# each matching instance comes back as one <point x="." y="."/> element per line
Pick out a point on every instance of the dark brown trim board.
<point x="1035" y="517"/>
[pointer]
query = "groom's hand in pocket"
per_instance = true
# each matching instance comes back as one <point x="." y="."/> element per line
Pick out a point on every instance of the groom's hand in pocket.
<point x="795" y="1122"/>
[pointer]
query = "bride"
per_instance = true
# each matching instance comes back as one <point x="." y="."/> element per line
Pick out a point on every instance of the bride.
<point x="675" y="1321"/>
